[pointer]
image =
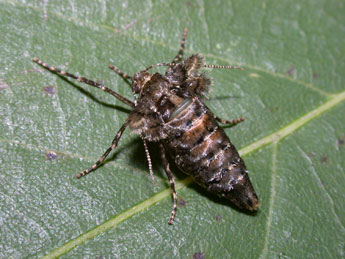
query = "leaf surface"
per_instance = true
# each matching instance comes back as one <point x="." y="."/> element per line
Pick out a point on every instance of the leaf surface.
<point x="291" y="92"/>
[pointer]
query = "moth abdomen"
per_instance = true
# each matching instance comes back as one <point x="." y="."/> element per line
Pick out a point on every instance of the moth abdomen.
<point x="204" y="151"/>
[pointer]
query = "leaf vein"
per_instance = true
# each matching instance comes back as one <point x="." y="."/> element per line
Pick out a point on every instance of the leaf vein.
<point x="271" y="201"/>
<point x="324" y="189"/>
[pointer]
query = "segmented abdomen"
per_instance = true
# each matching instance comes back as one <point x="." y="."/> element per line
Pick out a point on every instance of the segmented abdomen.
<point x="199" y="145"/>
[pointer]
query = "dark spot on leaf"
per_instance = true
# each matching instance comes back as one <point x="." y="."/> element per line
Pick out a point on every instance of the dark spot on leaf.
<point x="291" y="71"/>
<point x="50" y="89"/>
<point x="190" y="4"/>
<point x="3" y="85"/>
<point x="199" y="255"/>
<point x="51" y="155"/>
<point x="274" y="109"/>
<point x="218" y="218"/>
<point x="312" y="154"/>
<point x="341" y="141"/>
<point x="182" y="202"/>
<point x="324" y="159"/>
<point x="316" y="75"/>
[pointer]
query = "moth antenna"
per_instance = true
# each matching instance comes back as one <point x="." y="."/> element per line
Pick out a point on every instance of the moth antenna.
<point x="149" y="161"/>
<point x="179" y="55"/>
<point x="227" y="67"/>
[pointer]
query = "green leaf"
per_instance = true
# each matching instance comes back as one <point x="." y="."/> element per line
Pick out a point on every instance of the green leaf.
<point x="291" y="92"/>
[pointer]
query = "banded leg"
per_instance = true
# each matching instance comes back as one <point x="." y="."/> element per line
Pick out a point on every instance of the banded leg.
<point x="113" y="145"/>
<point x="171" y="181"/>
<point x="230" y="122"/>
<point x="149" y="161"/>
<point x="120" y="73"/>
<point x="182" y="45"/>
<point x="84" y="80"/>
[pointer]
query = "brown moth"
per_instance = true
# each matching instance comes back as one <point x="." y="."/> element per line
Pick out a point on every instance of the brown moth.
<point x="169" y="109"/>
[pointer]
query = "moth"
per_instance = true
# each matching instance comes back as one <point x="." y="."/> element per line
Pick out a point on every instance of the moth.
<point x="169" y="110"/>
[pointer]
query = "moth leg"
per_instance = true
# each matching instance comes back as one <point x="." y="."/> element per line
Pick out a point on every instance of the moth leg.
<point x="171" y="181"/>
<point x="126" y="76"/>
<point x="113" y="145"/>
<point x="85" y="81"/>
<point x="149" y="161"/>
<point x="182" y="45"/>
<point x="120" y="73"/>
<point x="230" y="122"/>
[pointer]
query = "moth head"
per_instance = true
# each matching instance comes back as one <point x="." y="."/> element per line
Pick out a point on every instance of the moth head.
<point x="139" y="81"/>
